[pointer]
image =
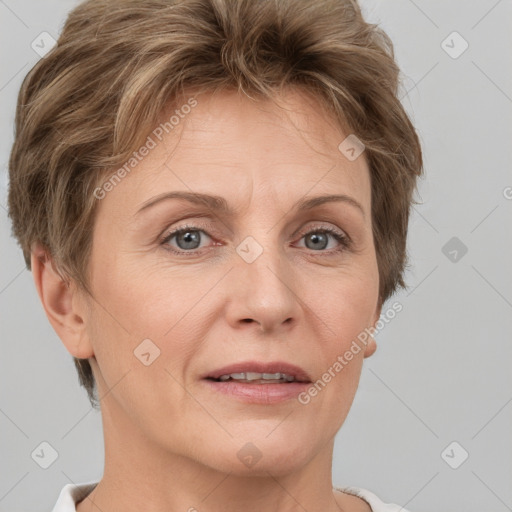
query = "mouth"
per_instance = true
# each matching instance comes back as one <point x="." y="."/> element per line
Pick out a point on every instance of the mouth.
<point x="260" y="383"/>
<point x="254" y="372"/>
<point x="257" y="378"/>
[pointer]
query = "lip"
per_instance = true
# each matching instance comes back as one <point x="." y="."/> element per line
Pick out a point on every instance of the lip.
<point x="262" y="367"/>
<point x="265" y="394"/>
<point x="253" y="393"/>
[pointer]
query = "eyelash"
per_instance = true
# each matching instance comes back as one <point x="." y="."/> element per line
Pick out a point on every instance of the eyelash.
<point x="344" y="240"/>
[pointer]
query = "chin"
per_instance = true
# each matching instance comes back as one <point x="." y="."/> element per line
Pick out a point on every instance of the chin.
<point x="261" y="457"/>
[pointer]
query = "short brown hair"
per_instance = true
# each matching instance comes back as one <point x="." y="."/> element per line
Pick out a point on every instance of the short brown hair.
<point x="118" y="63"/>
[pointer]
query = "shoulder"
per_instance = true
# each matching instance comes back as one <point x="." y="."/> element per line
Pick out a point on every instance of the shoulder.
<point x="71" y="494"/>
<point x="375" y="504"/>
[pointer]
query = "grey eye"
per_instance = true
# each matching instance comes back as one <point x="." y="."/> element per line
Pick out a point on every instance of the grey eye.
<point x="188" y="239"/>
<point x="318" y="240"/>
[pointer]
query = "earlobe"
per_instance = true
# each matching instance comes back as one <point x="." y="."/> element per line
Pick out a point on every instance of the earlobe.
<point x="371" y="344"/>
<point x="371" y="347"/>
<point x="61" y="304"/>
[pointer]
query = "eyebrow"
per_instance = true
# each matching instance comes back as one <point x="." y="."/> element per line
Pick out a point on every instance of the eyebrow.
<point x="219" y="204"/>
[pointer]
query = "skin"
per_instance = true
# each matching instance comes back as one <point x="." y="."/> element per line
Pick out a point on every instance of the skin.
<point x="170" y="442"/>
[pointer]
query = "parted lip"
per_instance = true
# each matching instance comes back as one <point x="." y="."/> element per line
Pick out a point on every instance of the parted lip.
<point x="260" y="367"/>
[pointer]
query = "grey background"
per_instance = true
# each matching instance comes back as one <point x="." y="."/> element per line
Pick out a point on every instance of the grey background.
<point x="442" y="369"/>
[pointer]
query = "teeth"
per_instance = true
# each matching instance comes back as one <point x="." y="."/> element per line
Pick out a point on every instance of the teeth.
<point x="256" y="376"/>
<point x="249" y="376"/>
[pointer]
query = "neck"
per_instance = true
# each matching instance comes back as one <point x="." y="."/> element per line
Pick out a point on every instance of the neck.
<point x="141" y="476"/>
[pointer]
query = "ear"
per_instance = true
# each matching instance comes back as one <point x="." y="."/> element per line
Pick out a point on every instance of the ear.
<point x="62" y="304"/>
<point x="371" y="345"/>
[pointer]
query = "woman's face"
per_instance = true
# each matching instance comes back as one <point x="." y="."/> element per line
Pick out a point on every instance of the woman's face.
<point x="259" y="281"/>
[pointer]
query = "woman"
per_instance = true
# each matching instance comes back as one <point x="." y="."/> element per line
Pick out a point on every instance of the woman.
<point x="213" y="198"/>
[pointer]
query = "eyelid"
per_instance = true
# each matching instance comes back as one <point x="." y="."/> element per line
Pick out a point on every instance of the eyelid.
<point x="192" y="226"/>
<point x="200" y="226"/>
<point x="320" y="227"/>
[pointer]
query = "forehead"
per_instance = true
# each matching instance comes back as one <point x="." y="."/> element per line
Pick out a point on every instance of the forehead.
<point x="232" y="146"/>
<point x="236" y="130"/>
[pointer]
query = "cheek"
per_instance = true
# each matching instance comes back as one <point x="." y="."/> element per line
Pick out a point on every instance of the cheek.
<point x="140" y="317"/>
<point x="141" y="302"/>
<point x="344" y="308"/>
<point x="345" y="311"/>
<point x="346" y="300"/>
<point x="354" y="305"/>
<point x="139" y="367"/>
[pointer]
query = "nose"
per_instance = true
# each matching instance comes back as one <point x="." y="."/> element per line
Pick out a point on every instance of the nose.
<point x="262" y="290"/>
